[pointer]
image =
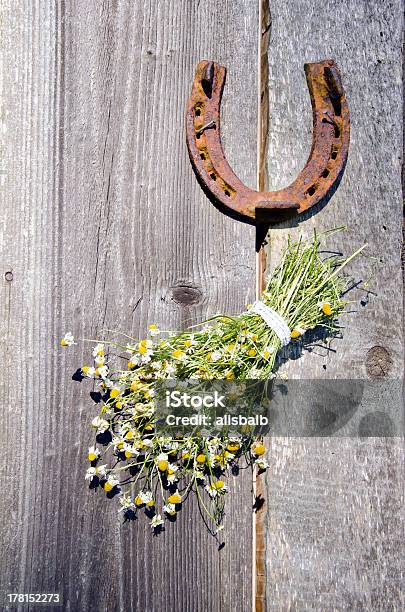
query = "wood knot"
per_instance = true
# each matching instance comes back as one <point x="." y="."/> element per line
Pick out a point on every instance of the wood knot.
<point x="378" y="362"/>
<point x="186" y="295"/>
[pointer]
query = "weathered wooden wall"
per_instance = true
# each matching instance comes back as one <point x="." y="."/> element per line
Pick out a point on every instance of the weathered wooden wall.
<point x="335" y="515"/>
<point x="103" y="225"/>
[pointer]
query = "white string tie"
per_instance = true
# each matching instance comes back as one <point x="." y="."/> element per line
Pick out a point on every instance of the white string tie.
<point x="275" y="321"/>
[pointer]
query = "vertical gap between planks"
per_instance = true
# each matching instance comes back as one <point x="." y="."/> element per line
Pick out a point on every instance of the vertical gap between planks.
<point x="258" y="519"/>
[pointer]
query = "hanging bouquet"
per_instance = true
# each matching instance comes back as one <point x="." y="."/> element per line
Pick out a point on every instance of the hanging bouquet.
<point x="155" y="473"/>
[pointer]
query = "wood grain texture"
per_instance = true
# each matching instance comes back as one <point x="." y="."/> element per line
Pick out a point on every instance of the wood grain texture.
<point x="335" y="537"/>
<point x="103" y="225"/>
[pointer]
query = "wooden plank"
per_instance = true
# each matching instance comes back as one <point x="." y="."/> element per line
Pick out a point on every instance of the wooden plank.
<point x="335" y="535"/>
<point x="103" y="225"/>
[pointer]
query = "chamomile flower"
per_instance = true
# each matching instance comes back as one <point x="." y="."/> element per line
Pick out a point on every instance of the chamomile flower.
<point x="162" y="461"/>
<point x="156" y="521"/>
<point x="175" y="498"/>
<point x="98" y="350"/>
<point x="258" y="449"/>
<point x="144" y="346"/>
<point x="100" y="424"/>
<point x="268" y="351"/>
<point x="255" y="374"/>
<point x="111" y="483"/>
<point x="96" y="472"/>
<point x="169" y="369"/>
<point x="216" y="488"/>
<point x="88" y="371"/>
<point x="179" y="355"/>
<point x="127" y="503"/>
<point x="215" y="356"/>
<point x="102" y="372"/>
<point x="90" y="474"/>
<point x="68" y="340"/>
<point x="153" y="330"/>
<point x="171" y="473"/>
<point x="326" y="308"/>
<point x="298" y="331"/>
<point x="170" y="509"/>
<point x="146" y="357"/>
<point x="262" y="463"/>
<point x="156" y="365"/>
<point x="99" y="360"/>
<point x="93" y="454"/>
<point x="145" y="498"/>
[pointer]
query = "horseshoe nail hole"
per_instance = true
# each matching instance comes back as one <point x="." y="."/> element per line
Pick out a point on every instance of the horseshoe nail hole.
<point x="227" y="193"/>
<point x="384" y="227"/>
<point x="197" y="112"/>
<point x="325" y="173"/>
<point x="202" y="155"/>
<point x="8" y="276"/>
<point x="335" y="126"/>
<point x="198" y="135"/>
<point x="213" y="176"/>
<point x="334" y="153"/>
<point x="312" y="190"/>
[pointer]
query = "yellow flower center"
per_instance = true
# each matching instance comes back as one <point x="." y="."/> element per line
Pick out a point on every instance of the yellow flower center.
<point x="162" y="465"/>
<point x="219" y="484"/>
<point x="150" y="503"/>
<point x="201" y="459"/>
<point x="295" y="334"/>
<point x="92" y="456"/>
<point x="128" y="454"/>
<point x="118" y="405"/>
<point x="108" y="487"/>
<point x="259" y="449"/>
<point x="115" y="393"/>
<point x="327" y="309"/>
<point x="85" y="369"/>
<point x="138" y="501"/>
<point x="174" y="499"/>
<point x="232" y="446"/>
<point x="252" y="352"/>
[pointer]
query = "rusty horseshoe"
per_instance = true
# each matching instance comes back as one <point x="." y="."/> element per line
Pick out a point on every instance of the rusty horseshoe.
<point x="325" y="165"/>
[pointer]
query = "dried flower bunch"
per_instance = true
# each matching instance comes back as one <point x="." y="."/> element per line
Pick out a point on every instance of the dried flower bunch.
<point x="156" y="473"/>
